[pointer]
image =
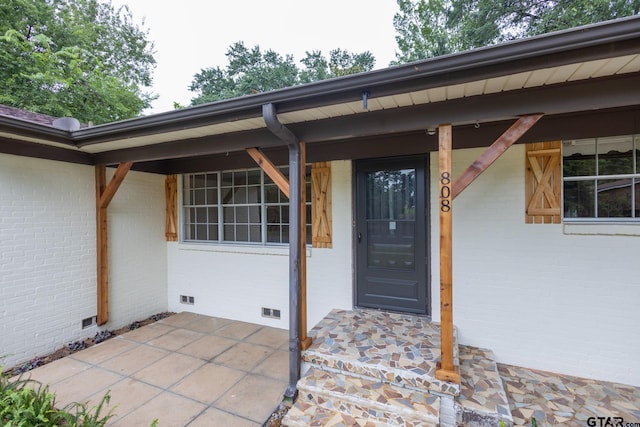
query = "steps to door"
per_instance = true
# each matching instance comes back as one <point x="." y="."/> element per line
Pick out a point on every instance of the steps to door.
<point x="366" y="399"/>
<point x="371" y="368"/>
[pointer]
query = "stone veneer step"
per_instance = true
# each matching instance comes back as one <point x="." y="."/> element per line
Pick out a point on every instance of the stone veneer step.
<point x="357" y="396"/>
<point x="482" y="400"/>
<point x="395" y="348"/>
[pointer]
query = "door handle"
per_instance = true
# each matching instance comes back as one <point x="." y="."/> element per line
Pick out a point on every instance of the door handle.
<point x="359" y="237"/>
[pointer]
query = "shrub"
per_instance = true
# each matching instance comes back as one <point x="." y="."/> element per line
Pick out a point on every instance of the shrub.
<point x="28" y="403"/>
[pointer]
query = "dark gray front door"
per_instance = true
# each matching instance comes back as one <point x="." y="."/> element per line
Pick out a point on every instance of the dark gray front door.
<point x="391" y="240"/>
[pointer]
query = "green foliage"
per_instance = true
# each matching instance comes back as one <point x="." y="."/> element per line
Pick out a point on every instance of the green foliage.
<point x="534" y="422"/>
<point x="428" y="28"/>
<point x="252" y="71"/>
<point x="26" y="403"/>
<point x="80" y="58"/>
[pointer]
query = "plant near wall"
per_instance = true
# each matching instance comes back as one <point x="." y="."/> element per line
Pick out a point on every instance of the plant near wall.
<point x="27" y="403"/>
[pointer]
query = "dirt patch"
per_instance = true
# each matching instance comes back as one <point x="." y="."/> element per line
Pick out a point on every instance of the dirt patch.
<point x="82" y="344"/>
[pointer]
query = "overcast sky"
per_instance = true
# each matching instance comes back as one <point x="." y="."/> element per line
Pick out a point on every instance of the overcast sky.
<point x="193" y="34"/>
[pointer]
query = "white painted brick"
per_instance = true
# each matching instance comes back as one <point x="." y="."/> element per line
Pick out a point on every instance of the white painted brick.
<point x="47" y="254"/>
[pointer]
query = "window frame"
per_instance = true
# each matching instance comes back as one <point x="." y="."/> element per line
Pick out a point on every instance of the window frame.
<point x="187" y="202"/>
<point x="634" y="177"/>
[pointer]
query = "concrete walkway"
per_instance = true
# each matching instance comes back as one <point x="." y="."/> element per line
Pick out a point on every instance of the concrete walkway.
<point x="185" y="370"/>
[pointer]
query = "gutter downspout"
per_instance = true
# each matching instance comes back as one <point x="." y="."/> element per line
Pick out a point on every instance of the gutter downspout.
<point x="279" y="130"/>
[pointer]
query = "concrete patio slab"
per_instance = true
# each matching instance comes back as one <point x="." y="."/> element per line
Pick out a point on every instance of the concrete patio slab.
<point x="187" y="369"/>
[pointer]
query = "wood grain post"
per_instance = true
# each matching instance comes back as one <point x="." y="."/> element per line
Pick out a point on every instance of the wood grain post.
<point x="101" y="249"/>
<point x="447" y="371"/>
<point x="305" y="341"/>
<point x="104" y="195"/>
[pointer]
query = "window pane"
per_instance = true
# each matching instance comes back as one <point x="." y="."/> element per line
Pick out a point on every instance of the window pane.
<point x="240" y="196"/>
<point x="242" y="215"/>
<point x="242" y="233"/>
<point x="212" y="196"/>
<point x="229" y="233"/>
<point x="212" y="180"/>
<point x="212" y="217"/>
<point x="199" y="197"/>
<point x="271" y="193"/>
<point x="637" y="195"/>
<point x="273" y="214"/>
<point x="228" y="214"/>
<point x="637" y="151"/>
<point x="253" y="194"/>
<point x="255" y="235"/>
<point x="392" y="194"/>
<point x="615" y="155"/>
<point x="579" y="157"/>
<point x="614" y="198"/>
<point x="227" y="195"/>
<point x="191" y="234"/>
<point x="227" y="179"/>
<point x="188" y="196"/>
<point x="240" y="178"/>
<point x="201" y="232"/>
<point x="201" y="215"/>
<point x="579" y="199"/>
<point x="254" y="214"/>
<point x="273" y="233"/>
<point x="213" y="232"/>
<point x="199" y="181"/>
<point x="253" y="177"/>
<point x="285" y="233"/>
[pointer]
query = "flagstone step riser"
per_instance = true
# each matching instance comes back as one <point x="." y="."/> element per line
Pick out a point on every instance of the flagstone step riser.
<point x="403" y="378"/>
<point x="474" y="419"/>
<point x="322" y="416"/>
<point x="424" y="409"/>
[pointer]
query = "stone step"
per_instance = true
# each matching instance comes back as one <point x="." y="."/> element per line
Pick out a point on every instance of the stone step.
<point x="304" y="414"/>
<point x="337" y="399"/>
<point x="482" y="400"/>
<point x="395" y="348"/>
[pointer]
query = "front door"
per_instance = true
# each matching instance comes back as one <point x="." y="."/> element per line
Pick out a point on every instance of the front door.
<point x="391" y="238"/>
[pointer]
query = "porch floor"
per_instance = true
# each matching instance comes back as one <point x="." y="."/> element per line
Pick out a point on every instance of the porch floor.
<point x="187" y="369"/>
<point x="365" y="367"/>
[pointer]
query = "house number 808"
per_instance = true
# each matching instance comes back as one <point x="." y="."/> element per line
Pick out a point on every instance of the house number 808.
<point x="445" y="192"/>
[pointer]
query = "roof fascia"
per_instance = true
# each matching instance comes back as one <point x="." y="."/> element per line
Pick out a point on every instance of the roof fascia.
<point x="597" y="94"/>
<point x="601" y="40"/>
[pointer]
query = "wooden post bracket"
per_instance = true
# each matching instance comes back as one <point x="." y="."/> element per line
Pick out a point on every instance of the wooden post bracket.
<point x="282" y="183"/>
<point x="506" y="140"/>
<point x="104" y="195"/>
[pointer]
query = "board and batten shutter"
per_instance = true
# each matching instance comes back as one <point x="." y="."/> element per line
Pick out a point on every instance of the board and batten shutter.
<point x="171" y="196"/>
<point x="543" y="183"/>
<point x="321" y="205"/>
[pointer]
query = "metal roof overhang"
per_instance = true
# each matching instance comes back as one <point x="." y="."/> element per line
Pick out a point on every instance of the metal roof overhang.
<point x="596" y="67"/>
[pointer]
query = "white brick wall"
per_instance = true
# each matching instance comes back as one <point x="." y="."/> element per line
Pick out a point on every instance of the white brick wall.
<point x="235" y="281"/>
<point x="535" y="296"/>
<point x="47" y="254"/>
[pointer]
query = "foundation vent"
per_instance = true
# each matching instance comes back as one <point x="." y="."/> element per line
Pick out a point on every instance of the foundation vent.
<point x="272" y="313"/>
<point x="88" y="322"/>
<point x="187" y="299"/>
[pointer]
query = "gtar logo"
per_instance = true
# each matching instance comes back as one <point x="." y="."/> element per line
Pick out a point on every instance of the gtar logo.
<point x="605" y="422"/>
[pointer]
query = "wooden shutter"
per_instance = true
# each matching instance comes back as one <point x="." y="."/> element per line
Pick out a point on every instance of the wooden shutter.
<point x="171" y="196"/>
<point x="321" y="205"/>
<point x="543" y="181"/>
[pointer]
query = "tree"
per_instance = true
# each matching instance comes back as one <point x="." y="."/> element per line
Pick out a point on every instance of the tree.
<point x="79" y="58"/>
<point x="252" y="71"/>
<point x="428" y="28"/>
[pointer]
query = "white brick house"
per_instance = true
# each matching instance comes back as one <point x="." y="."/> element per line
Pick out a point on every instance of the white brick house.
<point x="561" y="294"/>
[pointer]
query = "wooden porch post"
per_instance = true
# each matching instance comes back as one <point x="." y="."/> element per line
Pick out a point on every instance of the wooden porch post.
<point x="104" y="195"/>
<point x="283" y="185"/>
<point x="447" y="371"/>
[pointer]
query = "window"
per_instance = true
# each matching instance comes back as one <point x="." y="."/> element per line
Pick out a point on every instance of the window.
<point x="238" y="206"/>
<point x="601" y="178"/>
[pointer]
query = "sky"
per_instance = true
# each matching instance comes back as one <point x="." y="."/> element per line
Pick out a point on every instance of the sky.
<point x="190" y="35"/>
